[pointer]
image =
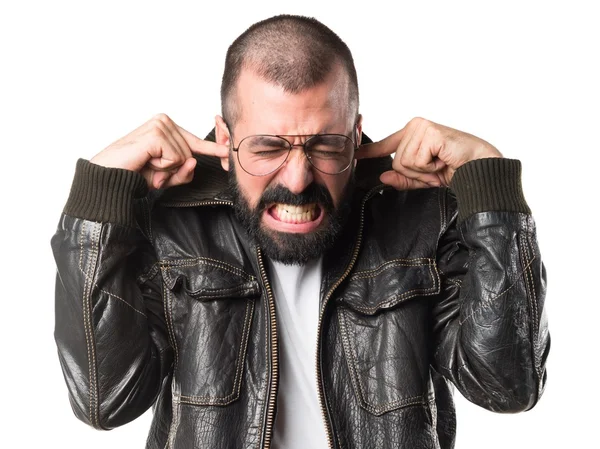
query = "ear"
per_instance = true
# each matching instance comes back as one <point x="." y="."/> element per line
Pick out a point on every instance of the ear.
<point x="358" y="134"/>
<point x="222" y="137"/>
<point x="358" y="129"/>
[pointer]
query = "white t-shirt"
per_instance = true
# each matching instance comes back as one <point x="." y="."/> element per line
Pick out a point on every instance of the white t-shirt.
<point x="299" y="422"/>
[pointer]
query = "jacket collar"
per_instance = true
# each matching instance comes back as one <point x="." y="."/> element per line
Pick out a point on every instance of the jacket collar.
<point x="210" y="180"/>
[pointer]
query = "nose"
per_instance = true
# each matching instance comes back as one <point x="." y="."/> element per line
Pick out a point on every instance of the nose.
<point x="296" y="174"/>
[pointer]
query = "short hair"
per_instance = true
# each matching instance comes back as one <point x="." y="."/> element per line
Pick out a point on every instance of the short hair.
<point x="294" y="52"/>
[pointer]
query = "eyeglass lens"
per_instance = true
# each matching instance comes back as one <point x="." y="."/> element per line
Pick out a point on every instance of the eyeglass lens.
<point x="328" y="153"/>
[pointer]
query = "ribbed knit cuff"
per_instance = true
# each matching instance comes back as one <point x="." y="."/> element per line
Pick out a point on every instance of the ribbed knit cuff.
<point x="491" y="184"/>
<point x="104" y="194"/>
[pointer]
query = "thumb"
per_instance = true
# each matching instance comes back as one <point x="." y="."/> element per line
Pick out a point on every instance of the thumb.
<point x="183" y="175"/>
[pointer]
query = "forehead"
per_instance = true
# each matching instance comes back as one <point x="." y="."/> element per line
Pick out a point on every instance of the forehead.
<point x="266" y="106"/>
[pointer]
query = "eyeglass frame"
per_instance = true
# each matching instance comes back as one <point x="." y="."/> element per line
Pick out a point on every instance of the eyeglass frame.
<point x="291" y="145"/>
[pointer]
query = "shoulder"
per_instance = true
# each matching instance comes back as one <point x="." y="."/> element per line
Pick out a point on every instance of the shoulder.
<point x="389" y="205"/>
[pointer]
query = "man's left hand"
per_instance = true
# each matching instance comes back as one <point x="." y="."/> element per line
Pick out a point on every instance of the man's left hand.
<point x="426" y="154"/>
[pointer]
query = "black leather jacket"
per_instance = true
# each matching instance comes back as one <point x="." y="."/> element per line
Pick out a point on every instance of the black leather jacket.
<point x="162" y="300"/>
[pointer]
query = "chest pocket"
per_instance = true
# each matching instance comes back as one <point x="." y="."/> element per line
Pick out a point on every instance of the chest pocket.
<point x="386" y="326"/>
<point x="209" y="307"/>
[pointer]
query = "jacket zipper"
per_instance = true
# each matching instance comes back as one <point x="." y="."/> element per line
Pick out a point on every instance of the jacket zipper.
<point x="274" y="374"/>
<point x="200" y="203"/>
<point x="321" y="390"/>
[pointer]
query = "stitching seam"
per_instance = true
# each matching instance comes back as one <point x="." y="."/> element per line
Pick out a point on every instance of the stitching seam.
<point x="94" y="285"/>
<point x="168" y="320"/>
<point x="237" y="383"/>
<point x="489" y="301"/>
<point x="87" y="310"/>
<point x="536" y="342"/>
<point x="377" y="410"/>
<point x="86" y="325"/>
<point x="456" y="282"/>
<point x="96" y="243"/>
<point x="433" y="290"/>
<point x="149" y="274"/>
<point x="175" y="407"/>
<point x="347" y="350"/>
<point x="442" y="205"/>
<point x="218" y="292"/>
<point x="207" y="261"/>
<point x="532" y="299"/>
<point x="148" y="223"/>
<point x="124" y="302"/>
<point x="390" y="264"/>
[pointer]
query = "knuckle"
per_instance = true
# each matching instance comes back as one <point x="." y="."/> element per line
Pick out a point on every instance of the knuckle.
<point x="157" y="132"/>
<point x="431" y="130"/>
<point x="162" y="121"/>
<point x="421" y="123"/>
<point x="420" y="163"/>
<point x="189" y="177"/>
<point x="162" y="117"/>
<point x="401" y="168"/>
<point x="406" y="160"/>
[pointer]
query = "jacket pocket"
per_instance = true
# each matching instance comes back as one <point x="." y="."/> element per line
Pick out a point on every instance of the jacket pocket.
<point x="209" y="307"/>
<point x="385" y="324"/>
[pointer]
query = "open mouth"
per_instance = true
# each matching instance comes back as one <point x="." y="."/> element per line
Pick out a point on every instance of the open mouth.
<point x="289" y="218"/>
<point x="295" y="214"/>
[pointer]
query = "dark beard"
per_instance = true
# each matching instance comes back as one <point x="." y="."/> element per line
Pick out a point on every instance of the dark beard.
<point x="286" y="247"/>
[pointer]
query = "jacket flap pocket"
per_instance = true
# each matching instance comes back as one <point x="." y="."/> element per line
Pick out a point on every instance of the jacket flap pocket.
<point x="209" y="308"/>
<point x="391" y="283"/>
<point x="205" y="279"/>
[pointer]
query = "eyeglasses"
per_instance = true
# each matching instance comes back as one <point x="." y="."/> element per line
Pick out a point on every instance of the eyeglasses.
<point x="263" y="154"/>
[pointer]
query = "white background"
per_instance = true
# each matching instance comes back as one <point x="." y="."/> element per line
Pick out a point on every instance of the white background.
<point x="76" y="76"/>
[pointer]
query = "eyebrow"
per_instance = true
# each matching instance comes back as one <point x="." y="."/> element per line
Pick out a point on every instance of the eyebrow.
<point x="272" y="141"/>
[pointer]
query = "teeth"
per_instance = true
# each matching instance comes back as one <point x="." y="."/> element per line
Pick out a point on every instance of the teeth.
<point x="296" y="214"/>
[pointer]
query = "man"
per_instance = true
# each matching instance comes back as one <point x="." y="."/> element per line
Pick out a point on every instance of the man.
<point x="285" y="282"/>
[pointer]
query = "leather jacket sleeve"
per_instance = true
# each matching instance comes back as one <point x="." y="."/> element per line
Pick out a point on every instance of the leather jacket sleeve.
<point x="490" y="327"/>
<point x="110" y="329"/>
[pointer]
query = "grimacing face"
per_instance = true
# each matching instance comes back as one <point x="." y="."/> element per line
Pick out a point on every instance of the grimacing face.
<point x="296" y="212"/>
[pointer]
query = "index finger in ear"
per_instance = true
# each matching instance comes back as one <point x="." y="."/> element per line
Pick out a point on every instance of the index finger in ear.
<point x="384" y="147"/>
<point x="206" y="147"/>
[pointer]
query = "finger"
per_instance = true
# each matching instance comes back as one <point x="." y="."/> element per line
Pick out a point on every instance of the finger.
<point x="182" y="176"/>
<point x="413" y="152"/>
<point x="206" y="147"/>
<point x="401" y="182"/>
<point x="432" y="179"/>
<point x="177" y="150"/>
<point x="384" y="147"/>
<point x="422" y="160"/>
<point x="168" y="163"/>
<point x="410" y="144"/>
<point x="155" y="179"/>
<point x="163" y="149"/>
<point x="420" y="154"/>
<point x="159" y="179"/>
<point x="426" y="157"/>
<point x="439" y="164"/>
<point x="179" y="142"/>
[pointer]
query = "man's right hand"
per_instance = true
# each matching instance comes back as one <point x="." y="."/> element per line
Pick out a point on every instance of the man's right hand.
<point x="159" y="150"/>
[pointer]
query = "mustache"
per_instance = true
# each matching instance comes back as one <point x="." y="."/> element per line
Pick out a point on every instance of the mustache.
<point x="314" y="193"/>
